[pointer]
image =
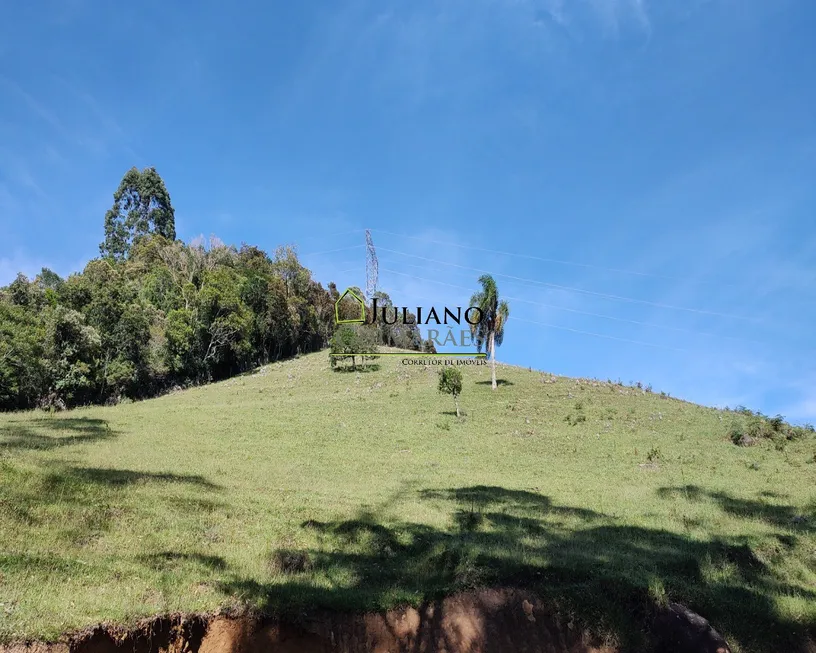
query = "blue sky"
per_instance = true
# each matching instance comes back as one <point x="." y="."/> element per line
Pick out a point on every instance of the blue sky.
<point x="655" y="151"/>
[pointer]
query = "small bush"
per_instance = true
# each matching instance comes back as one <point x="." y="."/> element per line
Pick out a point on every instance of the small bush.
<point x="354" y="343"/>
<point x="753" y="426"/>
<point x="450" y="382"/>
<point x="777" y="423"/>
<point x="654" y="455"/>
<point x="578" y="418"/>
<point x="798" y="432"/>
<point x="735" y="431"/>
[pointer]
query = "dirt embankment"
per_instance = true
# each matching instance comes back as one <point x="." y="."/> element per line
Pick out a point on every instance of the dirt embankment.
<point x="489" y="621"/>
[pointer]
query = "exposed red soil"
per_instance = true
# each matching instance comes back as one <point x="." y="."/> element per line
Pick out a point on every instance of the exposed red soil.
<point x="488" y="621"/>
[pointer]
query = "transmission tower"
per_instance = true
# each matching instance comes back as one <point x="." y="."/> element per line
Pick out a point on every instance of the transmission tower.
<point x="372" y="267"/>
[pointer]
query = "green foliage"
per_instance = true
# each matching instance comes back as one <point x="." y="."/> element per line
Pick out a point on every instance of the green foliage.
<point x="19" y="291"/>
<point x="22" y="368"/>
<point x="102" y="506"/>
<point x="735" y="431"/>
<point x="761" y="427"/>
<point x="72" y="358"/>
<point x="399" y="328"/>
<point x="450" y="382"/>
<point x="489" y="331"/>
<point x="154" y="313"/>
<point x="49" y="280"/>
<point x="169" y="314"/>
<point x="353" y="342"/>
<point x="575" y="419"/>
<point x="141" y="206"/>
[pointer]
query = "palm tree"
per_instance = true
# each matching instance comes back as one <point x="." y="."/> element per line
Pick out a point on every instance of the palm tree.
<point x="489" y="331"/>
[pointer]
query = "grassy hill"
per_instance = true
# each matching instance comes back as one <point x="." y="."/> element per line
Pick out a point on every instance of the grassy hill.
<point x="299" y="486"/>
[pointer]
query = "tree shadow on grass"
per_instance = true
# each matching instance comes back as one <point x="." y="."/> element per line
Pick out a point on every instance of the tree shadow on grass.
<point x="498" y="382"/>
<point x="585" y="562"/>
<point x="123" y="477"/>
<point x="771" y="512"/>
<point x="168" y="560"/>
<point x="79" y="504"/>
<point x="46" y="433"/>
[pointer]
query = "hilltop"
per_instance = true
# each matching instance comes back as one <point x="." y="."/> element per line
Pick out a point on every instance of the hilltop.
<point x="297" y="486"/>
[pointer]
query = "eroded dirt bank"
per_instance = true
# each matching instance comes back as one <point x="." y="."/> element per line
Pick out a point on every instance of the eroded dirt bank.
<point x="489" y="621"/>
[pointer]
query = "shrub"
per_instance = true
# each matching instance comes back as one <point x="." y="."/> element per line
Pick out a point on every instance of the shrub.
<point x="777" y="423"/>
<point x="735" y="431"/>
<point x="450" y="382"/>
<point x="350" y="342"/>
<point x="573" y="420"/>
<point x="754" y="426"/>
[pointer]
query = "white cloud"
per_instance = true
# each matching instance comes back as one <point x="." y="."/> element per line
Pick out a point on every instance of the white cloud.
<point x="30" y="266"/>
<point x="11" y="266"/>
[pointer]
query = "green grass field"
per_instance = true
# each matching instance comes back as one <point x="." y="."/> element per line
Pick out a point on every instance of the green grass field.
<point x="299" y="486"/>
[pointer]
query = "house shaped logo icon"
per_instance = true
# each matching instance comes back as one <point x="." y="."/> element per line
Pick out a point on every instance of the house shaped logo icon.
<point x="354" y="297"/>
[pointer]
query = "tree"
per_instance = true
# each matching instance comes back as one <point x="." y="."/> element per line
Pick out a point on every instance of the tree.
<point x="351" y="341"/>
<point x="71" y="357"/>
<point x="450" y="382"/>
<point x="20" y="291"/>
<point x="344" y="345"/>
<point x="22" y="369"/>
<point x="157" y="313"/>
<point x="141" y="206"/>
<point x="489" y="331"/>
<point x="49" y="280"/>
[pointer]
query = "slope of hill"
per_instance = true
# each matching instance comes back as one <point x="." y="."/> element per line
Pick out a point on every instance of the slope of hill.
<point x="301" y="486"/>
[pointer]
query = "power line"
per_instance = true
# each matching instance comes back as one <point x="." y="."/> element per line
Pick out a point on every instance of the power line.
<point x="554" y="326"/>
<point x="600" y="315"/>
<point x="538" y="258"/>
<point x="335" y="235"/>
<point x="600" y="335"/>
<point x="332" y="251"/>
<point x="571" y="289"/>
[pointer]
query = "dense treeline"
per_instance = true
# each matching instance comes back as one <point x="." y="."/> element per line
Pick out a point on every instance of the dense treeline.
<point x="153" y="312"/>
<point x="168" y="314"/>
